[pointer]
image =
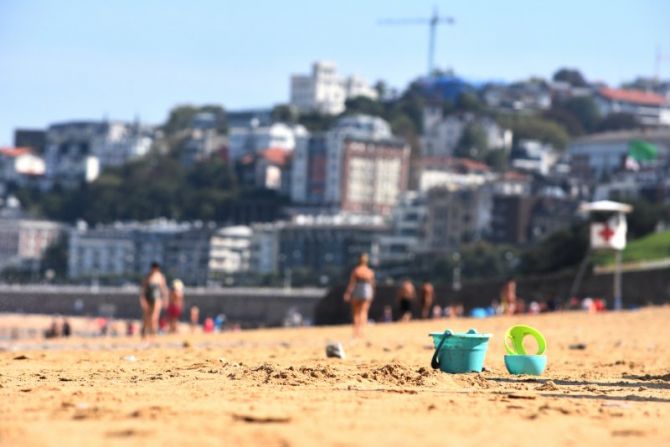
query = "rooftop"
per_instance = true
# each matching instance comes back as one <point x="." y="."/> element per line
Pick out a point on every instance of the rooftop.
<point x="15" y="151"/>
<point x="633" y="96"/>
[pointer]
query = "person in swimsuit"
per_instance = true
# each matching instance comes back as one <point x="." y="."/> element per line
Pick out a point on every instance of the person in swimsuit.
<point x="154" y="290"/>
<point x="427" y="298"/>
<point x="175" y="305"/>
<point x="406" y="294"/>
<point x="360" y="292"/>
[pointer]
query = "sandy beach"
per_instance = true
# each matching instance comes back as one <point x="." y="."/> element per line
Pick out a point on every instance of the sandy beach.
<point x="277" y="388"/>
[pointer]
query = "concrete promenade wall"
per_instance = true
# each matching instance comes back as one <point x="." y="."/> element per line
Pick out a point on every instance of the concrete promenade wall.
<point x="639" y="288"/>
<point x="251" y="307"/>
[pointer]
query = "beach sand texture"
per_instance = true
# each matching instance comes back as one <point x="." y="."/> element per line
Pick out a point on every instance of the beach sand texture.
<point x="277" y="388"/>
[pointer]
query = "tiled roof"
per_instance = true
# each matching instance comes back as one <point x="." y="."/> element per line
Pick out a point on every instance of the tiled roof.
<point x="15" y="151"/>
<point x="465" y="164"/>
<point x="633" y="96"/>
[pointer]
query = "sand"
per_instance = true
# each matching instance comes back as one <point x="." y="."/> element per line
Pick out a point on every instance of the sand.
<point x="277" y="388"/>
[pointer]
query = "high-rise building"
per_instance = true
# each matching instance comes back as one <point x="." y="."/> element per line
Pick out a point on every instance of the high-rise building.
<point x="357" y="166"/>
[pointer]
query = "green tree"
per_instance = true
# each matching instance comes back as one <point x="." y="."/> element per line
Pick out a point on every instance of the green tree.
<point x="55" y="259"/>
<point x="571" y="76"/>
<point x="363" y="105"/>
<point x="285" y="113"/>
<point x="618" y="121"/>
<point x="473" y="143"/>
<point x="468" y="102"/>
<point x="558" y="251"/>
<point x="534" y="128"/>
<point x="585" y="110"/>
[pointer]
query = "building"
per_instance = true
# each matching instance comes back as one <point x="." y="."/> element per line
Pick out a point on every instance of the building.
<point x="24" y="241"/>
<point x="357" y="166"/>
<point x="35" y="139"/>
<point x="325" y="91"/>
<point x="76" y="152"/>
<point x="442" y="135"/>
<point x="533" y="156"/>
<point x="248" y="117"/>
<point x="19" y="166"/>
<point x="457" y="216"/>
<point x="124" y="251"/>
<point x="229" y="253"/>
<point x="599" y="156"/>
<point x="408" y="217"/>
<point x="326" y="244"/>
<point x="510" y="218"/>
<point x="264" y="249"/>
<point x="266" y="169"/>
<point x="453" y="172"/>
<point x="253" y="138"/>
<point x="650" y="109"/>
<point x="308" y="176"/>
<point x="530" y="95"/>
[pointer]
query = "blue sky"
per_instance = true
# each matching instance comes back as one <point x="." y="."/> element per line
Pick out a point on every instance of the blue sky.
<point x="87" y="59"/>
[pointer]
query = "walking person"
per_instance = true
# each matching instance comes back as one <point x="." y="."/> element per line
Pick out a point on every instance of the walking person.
<point x="427" y="299"/>
<point x="360" y="292"/>
<point x="175" y="305"/>
<point x="406" y="294"/>
<point x="154" y="290"/>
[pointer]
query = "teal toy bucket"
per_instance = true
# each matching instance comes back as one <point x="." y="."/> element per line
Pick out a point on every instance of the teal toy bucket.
<point x="459" y="352"/>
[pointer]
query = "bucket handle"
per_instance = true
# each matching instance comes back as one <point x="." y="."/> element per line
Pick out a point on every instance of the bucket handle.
<point x="435" y="362"/>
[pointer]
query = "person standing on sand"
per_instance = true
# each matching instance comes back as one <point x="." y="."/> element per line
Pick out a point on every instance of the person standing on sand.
<point x="406" y="294"/>
<point x="154" y="290"/>
<point x="508" y="298"/>
<point x="175" y="305"/>
<point x="427" y="298"/>
<point x="360" y="292"/>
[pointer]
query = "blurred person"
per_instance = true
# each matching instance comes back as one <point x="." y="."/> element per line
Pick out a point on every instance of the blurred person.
<point x="405" y="295"/>
<point x="208" y="325"/>
<point x="154" y="290"/>
<point x="427" y="299"/>
<point x="67" y="329"/>
<point x="508" y="298"/>
<point x="175" y="305"/>
<point x="194" y="317"/>
<point x="388" y="314"/>
<point x="437" y="312"/>
<point x="130" y="328"/>
<point x="360" y="292"/>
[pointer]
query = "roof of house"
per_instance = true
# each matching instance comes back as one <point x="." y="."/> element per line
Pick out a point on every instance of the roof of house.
<point x="458" y="164"/>
<point x="276" y="156"/>
<point x="633" y="96"/>
<point x="15" y="151"/>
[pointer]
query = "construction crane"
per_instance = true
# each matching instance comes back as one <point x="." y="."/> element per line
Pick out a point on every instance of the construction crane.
<point x="432" y="23"/>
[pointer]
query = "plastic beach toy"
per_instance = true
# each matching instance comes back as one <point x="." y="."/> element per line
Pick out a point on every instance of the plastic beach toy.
<point x="526" y="364"/>
<point x="459" y="352"/>
<point x="514" y="340"/>
<point x="517" y="360"/>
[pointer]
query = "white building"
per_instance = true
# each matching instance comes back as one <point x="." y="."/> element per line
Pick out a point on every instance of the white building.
<point x="441" y="134"/>
<point x="18" y="164"/>
<point x="596" y="156"/>
<point x="126" y="250"/>
<point x="253" y="138"/>
<point x="534" y="156"/>
<point x="650" y="109"/>
<point x="26" y="240"/>
<point x="324" y="91"/>
<point x="264" y="258"/>
<point x="77" y="151"/>
<point x="229" y="252"/>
